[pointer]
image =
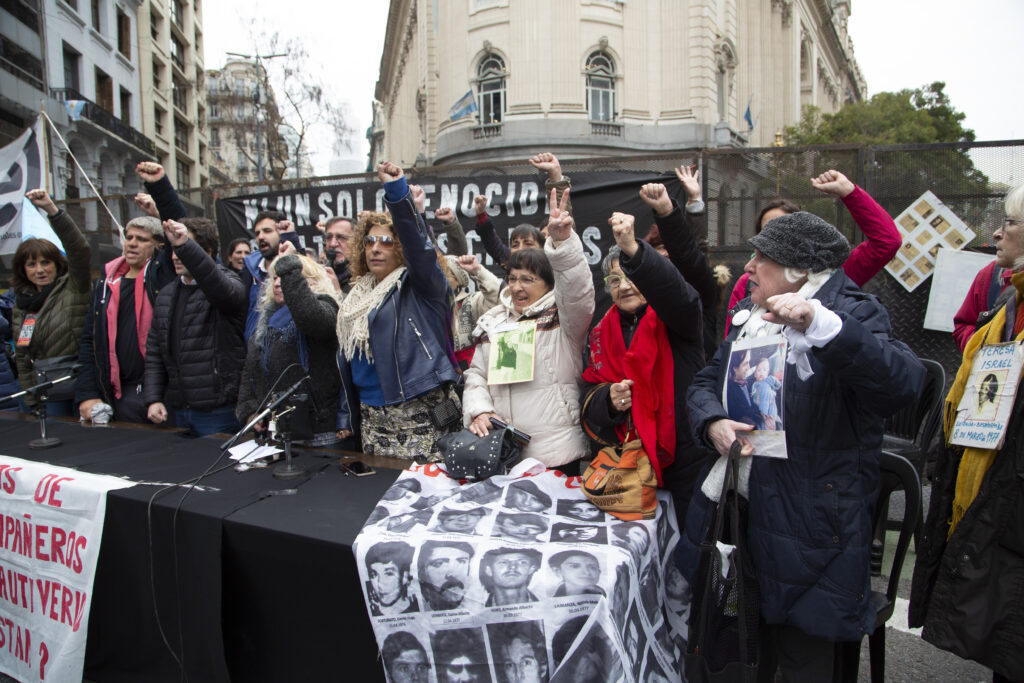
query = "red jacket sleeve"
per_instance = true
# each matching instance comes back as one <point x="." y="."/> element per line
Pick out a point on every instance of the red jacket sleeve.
<point x="881" y="238"/>
<point x="739" y="291"/>
<point x="975" y="303"/>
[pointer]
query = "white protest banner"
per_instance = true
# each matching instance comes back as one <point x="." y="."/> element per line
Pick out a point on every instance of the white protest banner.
<point x="984" y="410"/>
<point x="51" y="522"/>
<point x="519" y="578"/>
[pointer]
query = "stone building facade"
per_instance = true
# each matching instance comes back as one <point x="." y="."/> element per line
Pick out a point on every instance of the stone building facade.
<point x="588" y="78"/>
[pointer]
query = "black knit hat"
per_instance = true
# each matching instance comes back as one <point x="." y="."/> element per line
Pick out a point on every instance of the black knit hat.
<point x="802" y="240"/>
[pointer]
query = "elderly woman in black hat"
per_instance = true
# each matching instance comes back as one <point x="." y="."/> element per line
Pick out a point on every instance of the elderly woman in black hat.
<point x="810" y="512"/>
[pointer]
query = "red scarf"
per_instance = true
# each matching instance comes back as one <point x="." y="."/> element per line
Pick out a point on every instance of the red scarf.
<point x="116" y="269"/>
<point x="648" y="362"/>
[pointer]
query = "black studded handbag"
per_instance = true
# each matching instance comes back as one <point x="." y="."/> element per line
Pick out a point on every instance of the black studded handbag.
<point x="468" y="456"/>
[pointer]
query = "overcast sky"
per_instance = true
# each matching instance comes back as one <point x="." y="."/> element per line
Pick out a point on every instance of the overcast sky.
<point x="973" y="46"/>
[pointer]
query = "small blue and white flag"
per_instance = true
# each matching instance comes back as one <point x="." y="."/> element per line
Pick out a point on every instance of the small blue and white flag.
<point x="464" y="107"/>
<point x="74" y="108"/>
<point x="748" y="117"/>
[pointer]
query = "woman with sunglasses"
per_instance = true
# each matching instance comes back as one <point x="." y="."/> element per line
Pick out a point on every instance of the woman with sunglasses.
<point x="530" y="347"/>
<point x="643" y="356"/>
<point x="394" y="329"/>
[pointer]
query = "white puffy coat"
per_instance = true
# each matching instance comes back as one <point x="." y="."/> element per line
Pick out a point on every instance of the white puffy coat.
<point x="547" y="408"/>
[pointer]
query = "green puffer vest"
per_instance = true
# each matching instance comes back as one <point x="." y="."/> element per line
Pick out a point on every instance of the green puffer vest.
<point x="58" y="330"/>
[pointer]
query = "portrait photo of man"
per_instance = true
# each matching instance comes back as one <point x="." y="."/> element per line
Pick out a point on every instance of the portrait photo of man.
<point x="578" y="571"/>
<point x="634" y="537"/>
<point x="481" y="493"/>
<point x="454" y="521"/>
<point x="506" y="574"/>
<point x="460" y="656"/>
<point x="405" y="658"/>
<point x="443" y="572"/>
<point x="581" y="510"/>
<point x="526" y="496"/>
<point x="388" y="565"/>
<point x="405" y="491"/>
<point x="579" y="533"/>
<point x="523" y="526"/>
<point x="519" y="652"/>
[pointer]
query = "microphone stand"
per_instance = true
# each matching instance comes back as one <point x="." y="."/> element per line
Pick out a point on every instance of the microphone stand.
<point x="287" y="469"/>
<point x="262" y="414"/>
<point x="39" y="391"/>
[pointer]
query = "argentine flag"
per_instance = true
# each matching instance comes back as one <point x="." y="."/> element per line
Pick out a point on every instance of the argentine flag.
<point x="464" y="107"/>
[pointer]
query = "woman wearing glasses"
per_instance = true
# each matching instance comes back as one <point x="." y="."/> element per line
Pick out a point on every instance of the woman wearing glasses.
<point x="643" y="356"/>
<point x="530" y="347"/>
<point x="394" y="331"/>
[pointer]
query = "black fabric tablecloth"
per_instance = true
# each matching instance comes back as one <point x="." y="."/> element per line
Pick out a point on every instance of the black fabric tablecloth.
<point x="258" y="586"/>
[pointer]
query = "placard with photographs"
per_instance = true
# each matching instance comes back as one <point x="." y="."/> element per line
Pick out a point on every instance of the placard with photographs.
<point x="752" y="393"/>
<point x="984" y="410"/>
<point x="519" y="578"/>
<point x="926" y="226"/>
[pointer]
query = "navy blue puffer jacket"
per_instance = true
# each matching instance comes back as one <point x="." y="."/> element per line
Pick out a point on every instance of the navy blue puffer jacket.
<point x="810" y="525"/>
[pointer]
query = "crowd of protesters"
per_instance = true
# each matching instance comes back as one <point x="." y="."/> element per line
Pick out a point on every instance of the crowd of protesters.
<point x="392" y="334"/>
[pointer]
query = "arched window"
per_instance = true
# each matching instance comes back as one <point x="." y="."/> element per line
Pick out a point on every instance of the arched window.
<point x="491" y="89"/>
<point x="601" y="87"/>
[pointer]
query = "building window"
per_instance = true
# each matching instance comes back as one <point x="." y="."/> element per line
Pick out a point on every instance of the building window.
<point x="124" y="34"/>
<point x="179" y="93"/>
<point x="96" y="15"/>
<point x="178" y="12"/>
<point x="601" y="87"/>
<point x="184" y="174"/>
<point x="178" y="53"/>
<point x="200" y="118"/>
<point x="72" y="61"/>
<point x="158" y="74"/>
<point x="158" y="120"/>
<point x="126" y="107"/>
<point x="21" y="62"/>
<point x="181" y="135"/>
<point x="491" y="89"/>
<point x="214" y="137"/>
<point x="104" y="91"/>
<point x="154" y="24"/>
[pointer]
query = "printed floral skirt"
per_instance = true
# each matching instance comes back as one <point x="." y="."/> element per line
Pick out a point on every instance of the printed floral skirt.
<point x="405" y="430"/>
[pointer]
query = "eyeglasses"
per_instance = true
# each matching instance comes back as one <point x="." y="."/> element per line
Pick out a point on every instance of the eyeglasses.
<point x="386" y="241"/>
<point x="615" y="281"/>
<point x="526" y="665"/>
<point x="524" y="280"/>
<point x="334" y="237"/>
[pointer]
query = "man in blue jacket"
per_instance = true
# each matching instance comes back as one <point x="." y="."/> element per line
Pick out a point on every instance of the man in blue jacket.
<point x="270" y="227"/>
<point x="810" y="521"/>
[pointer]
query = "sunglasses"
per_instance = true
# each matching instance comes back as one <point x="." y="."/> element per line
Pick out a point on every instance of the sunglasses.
<point x="386" y="241"/>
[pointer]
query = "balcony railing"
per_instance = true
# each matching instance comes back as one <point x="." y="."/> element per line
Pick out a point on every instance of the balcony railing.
<point x="606" y="129"/>
<point x="105" y="119"/>
<point x="492" y="130"/>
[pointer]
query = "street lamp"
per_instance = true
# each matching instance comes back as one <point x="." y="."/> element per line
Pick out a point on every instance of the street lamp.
<point x="258" y="101"/>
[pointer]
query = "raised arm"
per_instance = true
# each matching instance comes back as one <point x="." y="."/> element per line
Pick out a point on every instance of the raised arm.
<point x="457" y="245"/>
<point x="881" y="238"/>
<point x="548" y="162"/>
<point x="420" y="256"/>
<point x="315" y="316"/>
<point x="224" y="290"/>
<point x="166" y="198"/>
<point x="75" y="245"/>
<point x="574" y="284"/>
<point x="493" y="245"/>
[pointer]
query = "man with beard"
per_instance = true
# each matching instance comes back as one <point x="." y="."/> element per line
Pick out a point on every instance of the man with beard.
<point x="270" y="227"/>
<point x="387" y="564"/>
<point x="506" y="574"/>
<point x="337" y="233"/>
<point x="443" y="570"/>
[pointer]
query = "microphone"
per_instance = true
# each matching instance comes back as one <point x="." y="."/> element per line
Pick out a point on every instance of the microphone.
<point x="278" y="399"/>
<point x="36" y="389"/>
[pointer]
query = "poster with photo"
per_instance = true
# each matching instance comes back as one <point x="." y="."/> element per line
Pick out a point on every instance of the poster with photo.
<point x="984" y="410"/>
<point x="925" y="227"/>
<point x="753" y="392"/>
<point x="518" y="578"/>
<point x="512" y="353"/>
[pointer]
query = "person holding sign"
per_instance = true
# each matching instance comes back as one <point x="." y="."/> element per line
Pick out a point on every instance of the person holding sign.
<point x="51" y="296"/>
<point x="810" y="512"/>
<point x="644" y="353"/>
<point x="539" y="326"/>
<point x="970" y="561"/>
<point x="394" y="330"/>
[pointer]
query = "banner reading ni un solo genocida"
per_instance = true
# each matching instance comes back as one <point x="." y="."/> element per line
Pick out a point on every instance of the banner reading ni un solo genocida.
<point x="51" y="522"/>
<point x="519" y="578"/>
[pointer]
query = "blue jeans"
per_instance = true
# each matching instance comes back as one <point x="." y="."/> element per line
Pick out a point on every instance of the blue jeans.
<point x="203" y="422"/>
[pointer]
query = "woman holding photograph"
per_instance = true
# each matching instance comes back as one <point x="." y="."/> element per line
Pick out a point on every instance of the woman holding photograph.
<point x="643" y="355"/>
<point x="552" y="290"/>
